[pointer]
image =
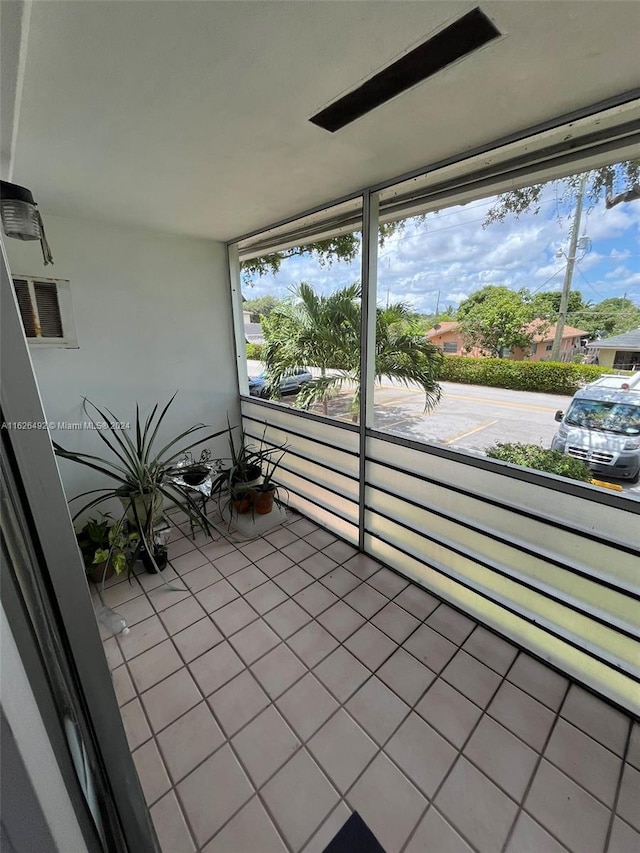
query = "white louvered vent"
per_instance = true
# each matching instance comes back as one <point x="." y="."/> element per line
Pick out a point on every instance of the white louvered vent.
<point x="45" y="310"/>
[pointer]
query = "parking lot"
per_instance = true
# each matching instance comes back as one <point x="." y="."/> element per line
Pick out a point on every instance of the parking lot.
<point x="468" y="417"/>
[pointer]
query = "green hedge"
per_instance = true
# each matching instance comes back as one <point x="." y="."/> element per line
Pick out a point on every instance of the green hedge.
<point x="551" y="377"/>
<point x="254" y="352"/>
<point x="533" y="456"/>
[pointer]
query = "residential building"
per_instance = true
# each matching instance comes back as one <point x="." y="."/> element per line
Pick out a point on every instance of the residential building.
<point x="621" y="352"/>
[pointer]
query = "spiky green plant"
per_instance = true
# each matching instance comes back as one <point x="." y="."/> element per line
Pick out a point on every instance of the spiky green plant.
<point x="138" y="471"/>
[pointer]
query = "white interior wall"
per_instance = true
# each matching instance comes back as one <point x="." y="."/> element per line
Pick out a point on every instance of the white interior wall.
<point x="153" y="316"/>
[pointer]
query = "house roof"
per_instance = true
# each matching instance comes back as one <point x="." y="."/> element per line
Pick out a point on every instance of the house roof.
<point x="626" y="341"/>
<point x="193" y="117"/>
<point x="548" y="333"/>
<point x="442" y="329"/>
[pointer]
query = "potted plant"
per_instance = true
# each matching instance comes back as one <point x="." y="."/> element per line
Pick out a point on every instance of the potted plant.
<point x="106" y="547"/>
<point x="194" y="473"/>
<point x="139" y="473"/>
<point x="249" y="474"/>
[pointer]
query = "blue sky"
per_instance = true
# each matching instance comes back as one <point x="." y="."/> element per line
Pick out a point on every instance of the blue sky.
<point x="450" y="254"/>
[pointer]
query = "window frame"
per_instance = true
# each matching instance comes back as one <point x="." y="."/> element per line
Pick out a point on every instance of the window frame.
<point x="69" y="339"/>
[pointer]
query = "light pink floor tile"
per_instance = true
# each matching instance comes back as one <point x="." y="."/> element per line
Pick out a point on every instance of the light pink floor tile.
<point x="451" y="713"/>
<point x="135" y="723"/>
<point x="151" y="667"/>
<point x="492" y="650"/>
<point x="238" y="701"/>
<point x="501" y="756"/>
<point x="365" y="600"/>
<point x="387" y="582"/>
<point x="451" y="624"/>
<point x="254" y="641"/>
<point x="278" y="670"/>
<point x="274" y="564"/>
<point x="170" y="826"/>
<point x="264" y="745"/>
<point x="151" y="771"/>
<point x="596" y="718"/>
<point x="435" y="835"/>
<point x="287" y="618"/>
<point x="387" y="802"/>
<point x="529" y="837"/>
<point x="315" y="598"/>
<point x="627" y="806"/>
<point x="539" y="681"/>
<point x="377" y="709"/>
<point x="312" y="643"/>
<point x="216" y="667"/>
<point x="187" y="742"/>
<point x="266" y="597"/>
<point x="182" y="615"/>
<point x="197" y="639"/>
<point x="406" y="676"/>
<point x="299" y="797"/>
<point x="471" y="678"/>
<point x="585" y="761"/>
<point x="476" y="807"/>
<point x="431" y="648"/>
<point x="342" y="749"/>
<point x="370" y="646"/>
<point x="341" y="620"/>
<point x="306" y="706"/>
<point x="522" y="715"/>
<point x="417" y="601"/>
<point x="250" y="830"/>
<point x="421" y="753"/>
<point x="213" y="793"/>
<point x="341" y="673"/>
<point x="168" y="700"/>
<point x="395" y="622"/>
<point x="567" y="811"/>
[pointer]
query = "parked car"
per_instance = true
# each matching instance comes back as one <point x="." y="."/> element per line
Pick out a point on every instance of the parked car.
<point x="602" y="427"/>
<point x="290" y="384"/>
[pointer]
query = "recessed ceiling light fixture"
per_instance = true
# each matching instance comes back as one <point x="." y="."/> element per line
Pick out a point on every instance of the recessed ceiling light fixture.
<point x="459" y="39"/>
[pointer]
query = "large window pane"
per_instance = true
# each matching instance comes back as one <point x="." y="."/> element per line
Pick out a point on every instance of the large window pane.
<point x="301" y="312"/>
<point x="497" y="310"/>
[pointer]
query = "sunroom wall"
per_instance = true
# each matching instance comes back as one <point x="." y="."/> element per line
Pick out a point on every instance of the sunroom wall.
<point x="153" y="316"/>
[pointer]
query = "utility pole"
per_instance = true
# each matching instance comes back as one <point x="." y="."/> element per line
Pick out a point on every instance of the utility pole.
<point x="568" y="275"/>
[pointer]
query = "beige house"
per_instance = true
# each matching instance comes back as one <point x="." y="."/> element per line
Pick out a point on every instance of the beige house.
<point x="620" y="351"/>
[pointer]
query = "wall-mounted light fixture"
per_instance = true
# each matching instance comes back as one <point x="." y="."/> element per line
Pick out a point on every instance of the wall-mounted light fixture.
<point x="21" y="218"/>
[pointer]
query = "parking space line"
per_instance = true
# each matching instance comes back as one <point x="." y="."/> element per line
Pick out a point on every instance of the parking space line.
<point x="469" y="432"/>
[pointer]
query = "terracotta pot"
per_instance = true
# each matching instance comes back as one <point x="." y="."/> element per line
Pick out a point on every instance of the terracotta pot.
<point x="97" y="573"/>
<point x="263" y="503"/>
<point x="243" y="503"/>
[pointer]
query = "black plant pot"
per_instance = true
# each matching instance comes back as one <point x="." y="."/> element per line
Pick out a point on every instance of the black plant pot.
<point x="195" y="475"/>
<point x="159" y="557"/>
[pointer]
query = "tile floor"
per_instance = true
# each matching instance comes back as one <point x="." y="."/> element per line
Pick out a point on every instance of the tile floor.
<point x="293" y="680"/>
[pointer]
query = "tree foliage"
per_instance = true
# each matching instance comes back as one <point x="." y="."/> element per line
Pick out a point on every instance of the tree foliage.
<point x="313" y="330"/>
<point x="612" y="316"/>
<point x="343" y="247"/>
<point x="495" y="319"/>
<point x="260" y="307"/>
<point x="617" y="183"/>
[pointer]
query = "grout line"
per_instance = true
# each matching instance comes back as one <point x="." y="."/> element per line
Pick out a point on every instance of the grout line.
<point x="534" y="772"/>
<point x="616" y="796"/>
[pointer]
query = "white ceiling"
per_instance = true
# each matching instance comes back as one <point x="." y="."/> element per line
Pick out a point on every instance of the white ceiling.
<point x="192" y="117"/>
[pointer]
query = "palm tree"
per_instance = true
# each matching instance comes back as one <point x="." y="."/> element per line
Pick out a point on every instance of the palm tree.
<point x="324" y="332"/>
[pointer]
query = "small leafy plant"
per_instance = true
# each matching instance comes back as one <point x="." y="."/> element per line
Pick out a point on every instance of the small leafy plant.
<point x="101" y="541"/>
